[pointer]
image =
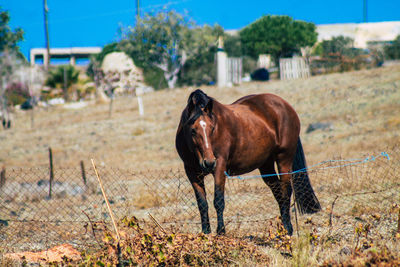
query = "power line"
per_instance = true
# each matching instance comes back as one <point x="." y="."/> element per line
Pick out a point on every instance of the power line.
<point x="113" y="13"/>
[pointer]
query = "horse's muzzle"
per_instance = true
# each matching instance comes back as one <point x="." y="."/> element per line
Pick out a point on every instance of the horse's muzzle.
<point x="208" y="165"/>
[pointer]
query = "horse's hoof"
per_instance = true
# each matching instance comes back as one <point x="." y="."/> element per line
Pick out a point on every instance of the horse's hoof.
<point x="221" y="231"/>
<point x="206" y="231"/>
<point x="288" y="228"/>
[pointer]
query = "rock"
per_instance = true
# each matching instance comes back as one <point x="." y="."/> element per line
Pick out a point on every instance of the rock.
<point x="43" y="182"/>
<point x="120" y="74"/>
<point x="56" y="101"/>
<point x="319" y="126"/>
<point x="345" y="251"/>
<point x="55" y="254"/>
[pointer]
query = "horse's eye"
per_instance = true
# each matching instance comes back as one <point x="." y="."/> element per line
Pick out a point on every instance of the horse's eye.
<point x="194" y="132"/>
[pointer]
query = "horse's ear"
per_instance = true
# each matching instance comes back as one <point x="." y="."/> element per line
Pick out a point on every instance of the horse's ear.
<point x="191" y="103"/>
<point x="194" y="99"/>
<point x="209" y="106"/>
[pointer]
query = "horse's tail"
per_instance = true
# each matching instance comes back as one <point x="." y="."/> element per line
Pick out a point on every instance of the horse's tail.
<point x="306" y="199"/>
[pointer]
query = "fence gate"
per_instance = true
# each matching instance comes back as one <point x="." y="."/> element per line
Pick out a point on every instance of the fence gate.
<point x="294" y="68"/>
<point x="234" y="70"/>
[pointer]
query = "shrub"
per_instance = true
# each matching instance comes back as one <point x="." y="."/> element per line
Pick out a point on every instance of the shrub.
<point x="249" y="64"/>
<point x="63" y="77"/>
<point x="392" y="51"/>
<point x="17" y="93"/>
<point x="337" y="45"/>
<point x="339" y="55"/>
<point x="155" y="78"/>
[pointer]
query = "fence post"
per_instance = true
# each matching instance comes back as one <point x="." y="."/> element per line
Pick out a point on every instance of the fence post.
<point x="398" y="223"/>
<point x="2" y="177"/>
<point x="139" y="93"/>
<point x="221" y="64"/>
<point x="51" y="171"/>
<point x="294" y="202"/>
<point x="111" y="104"/>
<point x="83" y="172"/>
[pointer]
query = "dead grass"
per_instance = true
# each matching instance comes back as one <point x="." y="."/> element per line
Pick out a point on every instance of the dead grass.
<point x="362" y="106"/>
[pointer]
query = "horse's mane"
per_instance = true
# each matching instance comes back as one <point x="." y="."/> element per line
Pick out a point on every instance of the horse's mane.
<point x="197" y="101"/>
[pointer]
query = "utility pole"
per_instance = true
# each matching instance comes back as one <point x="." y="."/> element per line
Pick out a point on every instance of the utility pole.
<point x="365" y="11"/>
<point x="46" y="59"/>
<point x="137" y="11"/>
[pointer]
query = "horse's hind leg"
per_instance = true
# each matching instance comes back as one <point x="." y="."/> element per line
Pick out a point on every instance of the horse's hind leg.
<point x="281" y="190"/>
<point x="285" y="162"/>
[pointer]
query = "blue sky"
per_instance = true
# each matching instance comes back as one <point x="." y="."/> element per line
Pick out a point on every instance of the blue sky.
<point x="96" y="22"/>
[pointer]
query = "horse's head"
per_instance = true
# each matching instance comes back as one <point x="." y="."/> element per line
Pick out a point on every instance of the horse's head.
<point x="199" y="129"/>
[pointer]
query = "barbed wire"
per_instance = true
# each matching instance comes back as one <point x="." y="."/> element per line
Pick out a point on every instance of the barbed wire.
<point x="112" y="13"/>
<point x="354" y="190"/>
<point x="351" y="162"/>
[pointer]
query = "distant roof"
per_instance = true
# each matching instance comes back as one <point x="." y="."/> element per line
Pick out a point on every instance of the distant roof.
<point x="68" y="51"/>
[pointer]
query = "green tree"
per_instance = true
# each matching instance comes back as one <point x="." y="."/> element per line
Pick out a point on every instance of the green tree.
<point x="233" y="45"/>
<point x="392" y="51"/>
<point x="10" y="57"/>
<point x="280" y="36"/>
<point x="9" y="38"/>
<point x="9" y="50"/>
<point x="165" y="41"/>
<point x="234" y="48"/>
<point x="200" y="67"/>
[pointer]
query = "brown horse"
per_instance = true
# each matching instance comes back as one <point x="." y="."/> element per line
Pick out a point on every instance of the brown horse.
<point x="252" y="133"/>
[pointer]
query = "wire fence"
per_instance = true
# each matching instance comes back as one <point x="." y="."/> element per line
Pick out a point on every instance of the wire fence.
<point x="38" y="212"/>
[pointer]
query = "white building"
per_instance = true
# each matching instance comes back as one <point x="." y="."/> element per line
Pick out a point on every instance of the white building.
<point x="362" y="33"/>
<point x="71" y="53"/>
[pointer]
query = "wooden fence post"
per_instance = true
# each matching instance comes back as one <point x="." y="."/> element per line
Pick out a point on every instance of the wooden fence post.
<point x="51" y="171"/>
<point x="398" y="222"/>
<point x="83" y="172"/>
<point x="2" y="177"/>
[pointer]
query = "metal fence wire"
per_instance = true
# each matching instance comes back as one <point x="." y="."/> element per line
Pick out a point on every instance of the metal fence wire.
<point x="36" y="213"/>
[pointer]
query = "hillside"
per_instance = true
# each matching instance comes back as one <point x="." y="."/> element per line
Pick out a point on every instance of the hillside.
<point x="362" y="108"/>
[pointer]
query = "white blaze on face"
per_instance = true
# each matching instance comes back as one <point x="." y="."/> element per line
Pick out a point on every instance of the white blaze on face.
<point x="203" y="125"/>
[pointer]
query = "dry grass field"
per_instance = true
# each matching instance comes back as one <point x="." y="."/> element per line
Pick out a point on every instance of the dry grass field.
<point x="362" y="109"/>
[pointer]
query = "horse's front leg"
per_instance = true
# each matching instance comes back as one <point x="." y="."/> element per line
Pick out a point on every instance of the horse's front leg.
<point x="219" y="198"/>
<point x="197" y="182"/>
